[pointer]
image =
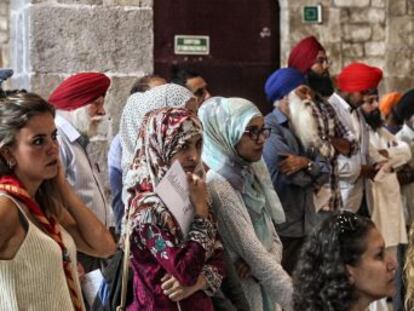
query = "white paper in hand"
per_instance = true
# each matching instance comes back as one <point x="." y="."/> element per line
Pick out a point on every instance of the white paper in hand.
<point x="173" y="191"/>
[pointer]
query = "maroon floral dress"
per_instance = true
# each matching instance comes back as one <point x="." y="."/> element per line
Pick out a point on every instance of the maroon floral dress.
<point x="158" y="245"/>
<point x="156" y="253"/>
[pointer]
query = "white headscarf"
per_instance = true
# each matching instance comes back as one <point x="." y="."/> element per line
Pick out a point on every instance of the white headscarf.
<point x="137" y="105"/>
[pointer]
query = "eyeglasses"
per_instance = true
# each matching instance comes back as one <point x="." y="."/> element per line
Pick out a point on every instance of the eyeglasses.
<point x="345" y="223"/>
<point x="254" y="132"/>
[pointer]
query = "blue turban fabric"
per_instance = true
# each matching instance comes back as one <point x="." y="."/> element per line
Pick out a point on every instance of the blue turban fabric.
<point x="282" y="82"/>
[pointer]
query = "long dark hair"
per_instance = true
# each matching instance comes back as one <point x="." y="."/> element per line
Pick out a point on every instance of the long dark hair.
<point x="15" y="111"/>
<point x="321" y="281"/>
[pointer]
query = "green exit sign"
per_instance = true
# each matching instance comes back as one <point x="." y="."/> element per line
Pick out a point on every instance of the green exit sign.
<point x="312" y="14"/>
<point x="191" y="45"/>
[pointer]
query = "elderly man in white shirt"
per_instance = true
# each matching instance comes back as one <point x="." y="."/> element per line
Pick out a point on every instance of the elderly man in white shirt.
<point x="79" y="102"/>
<point x="356" y="82"/>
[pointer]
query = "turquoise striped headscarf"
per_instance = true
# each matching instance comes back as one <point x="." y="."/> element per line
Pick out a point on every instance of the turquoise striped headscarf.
<point x="224" y="122"/>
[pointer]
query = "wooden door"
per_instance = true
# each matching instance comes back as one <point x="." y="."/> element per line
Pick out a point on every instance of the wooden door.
<point x="244" y="43"/>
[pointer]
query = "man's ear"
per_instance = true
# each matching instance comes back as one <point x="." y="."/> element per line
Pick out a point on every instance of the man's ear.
<point x="350" y="272"/>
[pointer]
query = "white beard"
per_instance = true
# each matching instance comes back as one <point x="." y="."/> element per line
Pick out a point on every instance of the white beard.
<point x="304" y="124"/>
<point x="84" y="123"/>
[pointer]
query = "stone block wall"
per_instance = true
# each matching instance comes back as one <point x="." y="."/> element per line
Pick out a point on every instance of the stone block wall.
<point x="53" y="39"/>
<point x="377" y="32"/>
<point x="399" y="57"/>
<point x="4" y="33"/>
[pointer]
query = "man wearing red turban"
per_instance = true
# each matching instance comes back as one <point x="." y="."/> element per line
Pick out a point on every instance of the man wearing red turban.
<point x="357" y="84"/>
<point x="309" y="57"/>
<point x="305" y="54"/>
<point x="79" y="101"/>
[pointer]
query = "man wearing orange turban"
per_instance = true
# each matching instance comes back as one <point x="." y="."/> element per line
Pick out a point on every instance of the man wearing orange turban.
<point x="79" y="101"/>
<point x="388" y="101"/>
<point x="357" y="84"/>
<point x="386" y="105"/>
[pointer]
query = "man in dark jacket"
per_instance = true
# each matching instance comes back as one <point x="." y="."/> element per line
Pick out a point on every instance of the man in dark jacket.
<point x="296" y="171"/>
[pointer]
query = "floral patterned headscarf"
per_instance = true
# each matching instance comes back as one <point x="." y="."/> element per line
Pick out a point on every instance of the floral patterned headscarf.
<point x="163" y="133"/>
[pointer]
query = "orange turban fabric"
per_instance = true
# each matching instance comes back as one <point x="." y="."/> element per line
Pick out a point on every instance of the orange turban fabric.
<point x="358" y="77"/>
<point x="388" y="101"/>
<point x="79" y="90"/>
<point x="303" y="55"/>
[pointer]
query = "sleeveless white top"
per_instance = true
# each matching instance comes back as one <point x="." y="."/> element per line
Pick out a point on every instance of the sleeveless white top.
<point x="34" y="280"/>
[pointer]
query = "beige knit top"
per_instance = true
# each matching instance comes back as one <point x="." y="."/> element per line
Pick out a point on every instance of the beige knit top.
<point x="34" y="279"/>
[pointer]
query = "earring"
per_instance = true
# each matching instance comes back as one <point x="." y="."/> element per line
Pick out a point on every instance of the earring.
<point x="11" y="163"/>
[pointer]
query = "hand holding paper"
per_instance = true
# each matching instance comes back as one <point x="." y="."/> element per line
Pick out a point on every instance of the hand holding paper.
<point x="198" y="194"/>
<point x="174" y="192"/>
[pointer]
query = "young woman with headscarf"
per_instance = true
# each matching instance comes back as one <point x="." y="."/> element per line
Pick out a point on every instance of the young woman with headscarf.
<point x="244" y="200"/>
<point x="139" y="104"/>
<point x="168" y="266"/>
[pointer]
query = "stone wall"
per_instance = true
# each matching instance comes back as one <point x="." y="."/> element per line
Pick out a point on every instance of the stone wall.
<point x="378" y="32"/>
<point x="399" y="57"/>
<point x="52" y="39"/>
<point x="4" y="33"/>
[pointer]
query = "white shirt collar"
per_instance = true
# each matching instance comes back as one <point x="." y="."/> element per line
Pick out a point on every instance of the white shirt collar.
<point x="408" y="131"/>
<point x="336" y="98"/>
<point x="67" y="128"/>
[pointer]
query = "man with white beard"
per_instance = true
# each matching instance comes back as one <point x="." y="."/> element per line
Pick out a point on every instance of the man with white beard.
<point x="293" y="159"/>
<point x="309" y="57"/>
<point x="79" y="101"/>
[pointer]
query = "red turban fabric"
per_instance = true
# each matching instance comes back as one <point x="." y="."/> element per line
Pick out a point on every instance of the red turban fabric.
<point x="79" y="90"/>
<point x="303" y="55"/>
<point x="358" y="77"/>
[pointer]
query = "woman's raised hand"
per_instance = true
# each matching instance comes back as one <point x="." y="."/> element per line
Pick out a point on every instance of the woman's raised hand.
<point x="198" y="194"/>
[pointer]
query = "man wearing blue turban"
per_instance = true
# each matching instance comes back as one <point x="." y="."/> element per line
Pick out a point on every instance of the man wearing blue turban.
<point x="294" y="163"/>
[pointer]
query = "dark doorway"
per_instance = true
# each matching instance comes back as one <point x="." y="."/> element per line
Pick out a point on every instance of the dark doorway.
<point x="244" y="43"/>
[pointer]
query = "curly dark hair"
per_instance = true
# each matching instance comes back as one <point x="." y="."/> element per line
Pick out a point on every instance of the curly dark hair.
<point x="320" y="280"/>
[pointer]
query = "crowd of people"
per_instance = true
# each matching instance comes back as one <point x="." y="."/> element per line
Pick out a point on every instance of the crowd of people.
<point x="308" y="208"/>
